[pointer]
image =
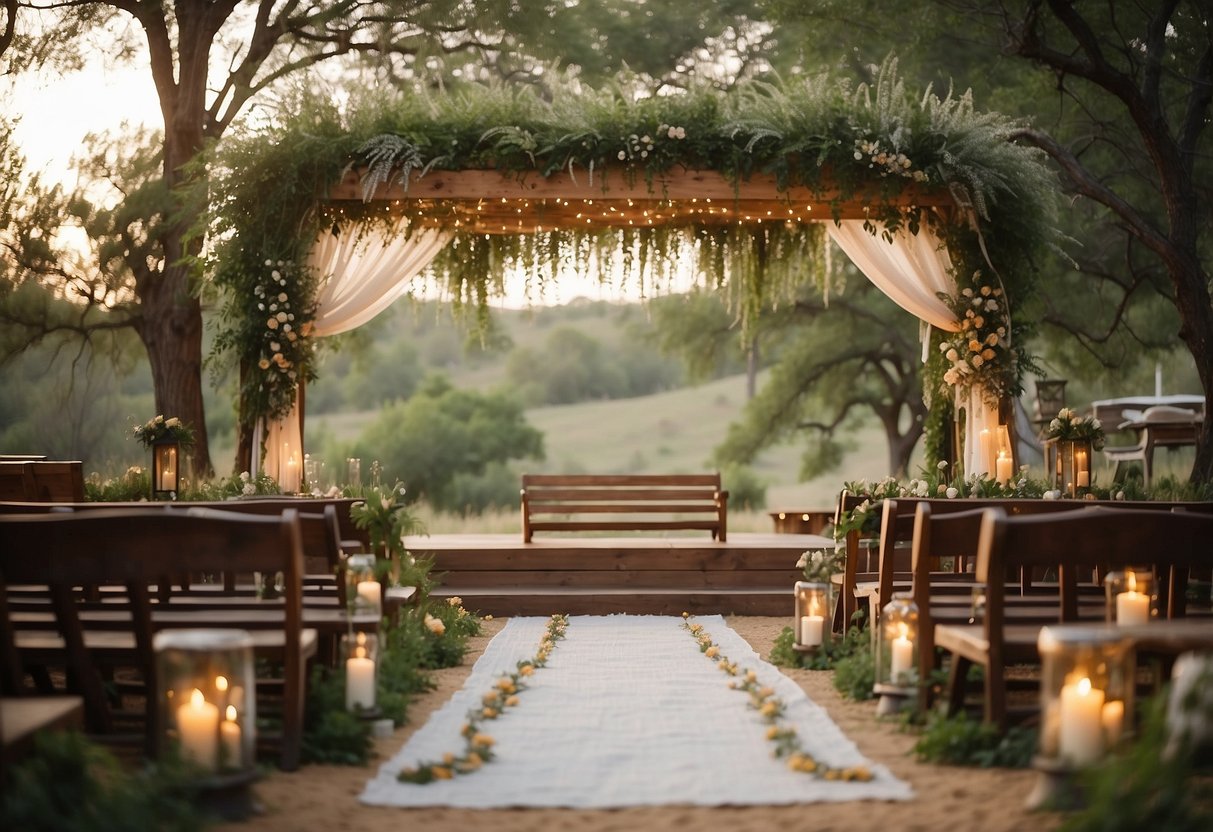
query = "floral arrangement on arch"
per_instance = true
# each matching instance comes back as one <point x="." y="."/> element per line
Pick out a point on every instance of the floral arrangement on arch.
<point x="1067" y="424"/>
<point x="159" y="429"/>
<point x="980" y="353"/>
<point x="283" y="345"/>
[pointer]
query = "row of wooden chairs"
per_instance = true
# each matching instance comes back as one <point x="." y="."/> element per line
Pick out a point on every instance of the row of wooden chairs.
<point x="84" y="587"/>
<point x="1034" y="563"/>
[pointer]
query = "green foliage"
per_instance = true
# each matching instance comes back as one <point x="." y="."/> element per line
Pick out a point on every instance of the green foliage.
<point x="71" y="785"/>
<point x="385" y="516"/>
<point x="828" y="657"/>
<point x="331" y="734"/>
<point x="747" y="492"/>
<point x="441" y="432"/>
<point x="855" y="672"/>
<point x="959" y="741"/>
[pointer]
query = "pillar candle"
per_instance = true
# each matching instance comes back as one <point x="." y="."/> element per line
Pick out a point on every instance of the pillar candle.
<point x="229" y="737"/>
<point x="986" y="452"/>
<point x="359" y="681"/>
<point x="811" y="629"/>
<point x="1003" y="468"/>
<point x="1082" y="724"/>
<point x="1132" y="608"/>
<point x="198" y="728"/>
<point x="370" y="592"/>
<point x="903" y="657"/>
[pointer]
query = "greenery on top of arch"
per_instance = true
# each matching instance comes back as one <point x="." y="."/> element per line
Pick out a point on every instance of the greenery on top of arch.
<point x="862" y="142"/>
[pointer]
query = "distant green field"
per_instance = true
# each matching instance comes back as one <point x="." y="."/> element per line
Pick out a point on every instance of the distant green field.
<point x="671" y="432"/>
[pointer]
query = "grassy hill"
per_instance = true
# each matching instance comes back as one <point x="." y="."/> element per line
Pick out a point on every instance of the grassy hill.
<point x="669" y="432"/>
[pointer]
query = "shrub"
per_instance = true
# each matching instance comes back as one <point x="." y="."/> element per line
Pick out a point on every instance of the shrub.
<point x="960" y="741"/>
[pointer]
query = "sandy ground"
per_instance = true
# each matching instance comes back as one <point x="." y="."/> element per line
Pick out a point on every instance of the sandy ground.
<point x="947" y="798"/>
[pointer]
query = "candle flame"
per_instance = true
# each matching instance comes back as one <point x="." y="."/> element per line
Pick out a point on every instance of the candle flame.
<point x="359" y="652"/>
<point x="197" y="700"/>
<point x="1132" y="581"/>
<point x="1084" y="686"/>
<point x="230" y="713"/>
<point x="902" y="630"/>
<point x="362" y="638"/>
<point x="221" y="683"/>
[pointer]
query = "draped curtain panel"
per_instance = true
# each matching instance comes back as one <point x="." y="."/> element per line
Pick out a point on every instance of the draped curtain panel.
<point x="913" y="270"/>
<point x="363" y="271"/>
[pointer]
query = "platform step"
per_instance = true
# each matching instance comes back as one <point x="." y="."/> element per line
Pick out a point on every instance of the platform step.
<point x="549" y="600"/>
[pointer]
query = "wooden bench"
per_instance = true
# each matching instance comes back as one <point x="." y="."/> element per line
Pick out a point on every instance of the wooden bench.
<point x="41" y="481"/>
<point x="142" y="549"/>
<point x="1071" y="542"/>
<point x="583" y="502"/>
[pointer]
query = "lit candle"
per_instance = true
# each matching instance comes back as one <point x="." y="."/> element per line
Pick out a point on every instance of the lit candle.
<point x="1132" y="607"/>
<point x="370" y="592"/>
<point x="229" y="737"/>
<point x="811" y="629"/>
<point x="1003" y="468"/>
<point x="1082" y="471"/>
<point x="359" y="681"/>
<point x="290" y="483"/>
<point x="198" y="728"/>
<point x="985" y="447"/>
<point x="1082" y="727"/>
<point x="1113" y="718"/>
<point x="903" y="655"/>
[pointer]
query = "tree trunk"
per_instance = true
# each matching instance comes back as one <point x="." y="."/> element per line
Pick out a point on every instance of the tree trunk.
<point x="171" y="330"/>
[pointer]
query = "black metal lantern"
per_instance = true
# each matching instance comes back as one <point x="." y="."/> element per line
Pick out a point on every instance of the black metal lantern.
<point x="166" y="469"/>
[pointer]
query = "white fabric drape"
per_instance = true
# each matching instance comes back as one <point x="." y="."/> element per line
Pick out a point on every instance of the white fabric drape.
<point x="913" y="270"/>
<point x="362" y="272"/>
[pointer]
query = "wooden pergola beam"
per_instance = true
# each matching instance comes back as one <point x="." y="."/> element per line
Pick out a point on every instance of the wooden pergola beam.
<point x="491" y="201"/>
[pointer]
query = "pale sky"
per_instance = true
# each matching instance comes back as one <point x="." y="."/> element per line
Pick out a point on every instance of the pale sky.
<point x="56" y="113"/>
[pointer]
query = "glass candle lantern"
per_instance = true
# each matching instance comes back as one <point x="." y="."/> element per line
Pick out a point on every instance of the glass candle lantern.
<point x="1132" y="596"/>
<point x="811" y="622"/>
<point x="166" y="469"/>
<point x="1086" y="694"/>
<point x="353" y="471"/>
<point x="1068" y="461"/>
<point x="206" y="696"/>
<point x="361" y="655"/>
<point x="896" y="654"/>
<point x="364" y="594"/>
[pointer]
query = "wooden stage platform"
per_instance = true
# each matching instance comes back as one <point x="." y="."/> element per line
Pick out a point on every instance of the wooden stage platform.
<point x="751" y="574"/>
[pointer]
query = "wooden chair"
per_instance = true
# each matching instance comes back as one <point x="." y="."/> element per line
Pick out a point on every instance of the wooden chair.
<point x="1072" y="542"/>
<point x="140" y="549"/>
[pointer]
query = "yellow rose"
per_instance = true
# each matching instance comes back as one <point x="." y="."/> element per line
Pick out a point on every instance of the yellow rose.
<point x="974" y="346"/>
<point x="272" y="323"/>
<point x="490" y="697"/>
<point x="483" y="740"/>
<point x="526" y="669"/>
<point x="511" y="701"/>
<point x="768" y="709"/>
<point x="489" y="713"/>
<point x="441" y="773"/>
<point x="772" y="732"/>
<point x="712" y="652"/>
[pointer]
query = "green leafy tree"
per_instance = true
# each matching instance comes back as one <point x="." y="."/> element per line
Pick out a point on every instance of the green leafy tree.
<point x="858" y="354"/>
<point x="441" y="432"/>
<point x="258" y="43"/>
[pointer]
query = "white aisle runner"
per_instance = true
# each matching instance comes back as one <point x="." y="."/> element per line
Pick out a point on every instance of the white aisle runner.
<point x="627" y="712"/>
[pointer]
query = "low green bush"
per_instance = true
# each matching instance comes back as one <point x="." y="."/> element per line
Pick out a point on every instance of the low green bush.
<point x="69" y="784"/>
<point x="960" y="741"/>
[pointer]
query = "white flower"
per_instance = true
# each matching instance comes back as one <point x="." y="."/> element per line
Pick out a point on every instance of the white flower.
<point x="434" y="625"/>
<point x="244" y="477"/>
<point x="1120" y="495"/>
<point x="951" y="493"/>
<point x="248" y="488"/>
<point x="942" y="464"/>
<point x="804" y="560"/>
<point x="1050" y="495"/>
<point x="172" y="422"/>
<point x="276" y="274"/>
<point x="269" y="262"/>
<point x="282" y="297"/>
<point x="645" y="139"/>
<point x="622" y="155"/>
